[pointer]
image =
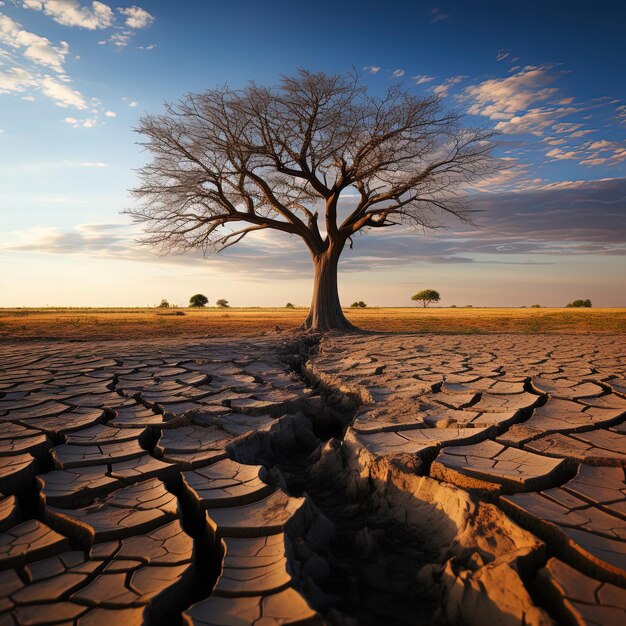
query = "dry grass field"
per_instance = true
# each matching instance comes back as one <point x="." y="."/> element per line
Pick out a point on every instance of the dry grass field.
<point x="100" y="324"/>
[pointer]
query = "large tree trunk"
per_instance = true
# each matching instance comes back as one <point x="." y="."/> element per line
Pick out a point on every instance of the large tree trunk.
<point x="325" y="312"/>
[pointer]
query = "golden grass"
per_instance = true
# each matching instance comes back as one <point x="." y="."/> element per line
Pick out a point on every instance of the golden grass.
<point x="75" y="323"/>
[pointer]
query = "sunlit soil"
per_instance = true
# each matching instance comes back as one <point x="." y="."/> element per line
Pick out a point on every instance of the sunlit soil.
<point x="78" y="323"/>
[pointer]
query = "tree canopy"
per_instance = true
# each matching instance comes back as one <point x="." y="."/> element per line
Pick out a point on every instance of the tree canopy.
<point x="579" y="303"/>
<point x="198" y="300"/>
<point x="426" y="297"/>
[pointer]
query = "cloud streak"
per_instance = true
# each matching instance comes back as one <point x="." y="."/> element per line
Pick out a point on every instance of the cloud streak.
<point x="567" y="218"/>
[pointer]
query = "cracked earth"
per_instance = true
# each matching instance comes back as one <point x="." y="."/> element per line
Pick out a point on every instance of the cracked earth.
<point x="359" y="479"/>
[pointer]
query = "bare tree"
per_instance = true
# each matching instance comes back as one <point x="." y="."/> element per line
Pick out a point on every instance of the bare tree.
<point x="229" y="163"/>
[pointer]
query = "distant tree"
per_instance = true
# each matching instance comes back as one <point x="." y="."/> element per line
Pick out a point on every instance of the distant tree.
<point x="576" y="304"/>
<point x="358" y="305"/>
<point x="535" y="306"/>
<point x="453" y="306"/>
<point x="289" y="306"/>
<point x="227" y="163"/>
<point x="426" y="296"/>
<point x="198" y="300"/>
<point x="164" y="304"/>
<point x="222" y="304"/>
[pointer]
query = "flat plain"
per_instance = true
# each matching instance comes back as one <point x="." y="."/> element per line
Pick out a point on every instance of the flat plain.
<point x="77" y="323"/>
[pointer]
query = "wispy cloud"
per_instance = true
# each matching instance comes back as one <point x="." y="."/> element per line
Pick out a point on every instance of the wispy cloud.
<point x="35" y="63"/>
<point x="372" y="69"/>
<point x="444" y="88"/>
<point x="39" y="50"/>
<point x="502" y="54"/>
<point x="421" y="79"/>
<point x="136" y="17"/>
<point x="436" y="15"/>
<point x="503" y="98"/>
<point x="529" y="103"/>
<point x="97" y="16"/>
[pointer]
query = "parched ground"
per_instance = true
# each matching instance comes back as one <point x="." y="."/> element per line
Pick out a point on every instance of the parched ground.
<point x="356" y="479"/>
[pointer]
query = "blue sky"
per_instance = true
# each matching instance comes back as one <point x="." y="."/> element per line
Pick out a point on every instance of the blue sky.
<point x="76" y="76"/>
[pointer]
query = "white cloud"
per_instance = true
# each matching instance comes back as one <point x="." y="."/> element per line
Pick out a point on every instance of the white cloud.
<point x="604" y="152"/>
<point x="372" y="69"/>
<point x="559" y="155"/>
<point x="111" y="114"/>
<point x="132" y="104"/>
<point x="88" y="122"/>
<point x="535" y="121"/>
<point x="502" y="54"/>
<point x="151" y="46"/>
<point x="120" y="39"/>
<point x="39" y="50"/>
<point x="398" y="73"/>
<point x="508" y="175"/>
<point x="592" y="153"/>
<point x="136" y="17"/>
<point x="566" y="127"/>
<point x="70" y="13"/>
<point x="599" y="161"/>
<point x="32" y="55"/>
<point x="15" y="79"/>
<point x="598" y="145"/>
<point x="63" y="95"/>
<point x="420" y="79"/>
<point x="502" y="98"/>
